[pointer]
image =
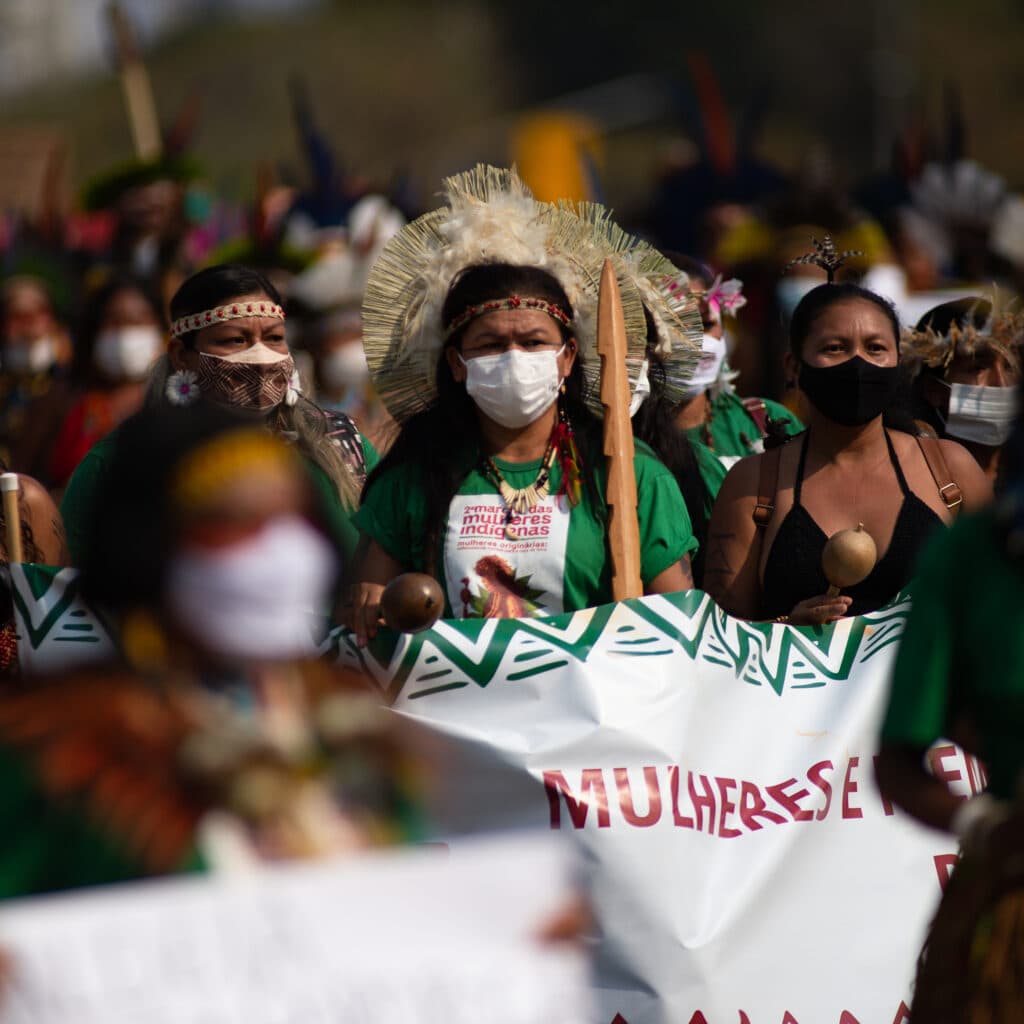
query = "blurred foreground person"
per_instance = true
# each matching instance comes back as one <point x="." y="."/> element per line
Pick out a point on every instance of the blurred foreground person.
<point x="228" y="347"/>
<point x="959" y="674"/>
<point x="776" y="511"/>
<point x="218" y="739"/>
<point x="966" y="361"/>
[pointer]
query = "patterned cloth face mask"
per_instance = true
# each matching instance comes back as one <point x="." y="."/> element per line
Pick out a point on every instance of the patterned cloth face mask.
<point x="257" y="378"/>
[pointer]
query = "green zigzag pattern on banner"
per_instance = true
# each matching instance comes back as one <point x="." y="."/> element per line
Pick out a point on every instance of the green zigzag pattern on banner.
<point x="66" y="621"/>
<point x="758" y="653"/>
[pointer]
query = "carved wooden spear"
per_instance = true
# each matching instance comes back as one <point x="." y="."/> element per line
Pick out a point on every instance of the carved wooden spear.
<point x="136" y="86"/>
<point x="623" y="528"/>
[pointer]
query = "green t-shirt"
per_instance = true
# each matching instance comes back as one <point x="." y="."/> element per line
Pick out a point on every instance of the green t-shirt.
<point x="557" y="559"/>
<point x="733" y="432"/>
<point x="83" y="488"/>
<point x="962" y="655"/>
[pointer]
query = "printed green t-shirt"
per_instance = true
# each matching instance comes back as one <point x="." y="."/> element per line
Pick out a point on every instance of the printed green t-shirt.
<point x="557" y="559"/>
<point x="82" y="493"/>
<point x="962" y="654"/>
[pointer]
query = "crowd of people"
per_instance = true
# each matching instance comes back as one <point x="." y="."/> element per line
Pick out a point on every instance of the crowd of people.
<point x="232" y="443"/>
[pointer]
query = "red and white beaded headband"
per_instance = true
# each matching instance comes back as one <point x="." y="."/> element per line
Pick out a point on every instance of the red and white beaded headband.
<point x="221" y="314"/>
<point x="500" y="305"/>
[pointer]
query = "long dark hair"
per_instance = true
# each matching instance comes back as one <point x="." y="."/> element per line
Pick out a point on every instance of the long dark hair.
<point x="442" y="443"/>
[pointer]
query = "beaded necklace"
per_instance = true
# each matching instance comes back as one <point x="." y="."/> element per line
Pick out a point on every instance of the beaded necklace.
<point x="520" y="500"/>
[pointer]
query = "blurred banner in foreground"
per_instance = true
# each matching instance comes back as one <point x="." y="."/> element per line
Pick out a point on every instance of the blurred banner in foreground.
<point x="716" y="776"/>
<point x="403" y="938"/>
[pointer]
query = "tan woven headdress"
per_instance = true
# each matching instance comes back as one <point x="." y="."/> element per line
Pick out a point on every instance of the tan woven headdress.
<point x="489" y="216"/>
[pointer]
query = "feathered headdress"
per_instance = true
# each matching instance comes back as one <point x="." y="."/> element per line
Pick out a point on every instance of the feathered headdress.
<point x="489" y="217"/>
<point x="974" y="332"/>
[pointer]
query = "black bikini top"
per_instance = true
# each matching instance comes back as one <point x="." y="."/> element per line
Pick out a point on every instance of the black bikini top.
<point x="793" y="570"/>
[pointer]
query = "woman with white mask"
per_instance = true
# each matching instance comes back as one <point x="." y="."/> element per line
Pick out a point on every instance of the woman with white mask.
<point x="495" y="483"/>
<point x="966" y="365"/>
<point x="122" y="334"/>
<point x="217" y="738"/>
<point x="228" y="347"/>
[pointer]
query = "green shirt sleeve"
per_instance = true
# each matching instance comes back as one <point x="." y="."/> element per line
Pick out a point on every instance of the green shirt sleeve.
<point x="666" y="533"/>
<point x="922" y="677"/>
<point x="393" y="514"/>
<point x="78" y="505"/>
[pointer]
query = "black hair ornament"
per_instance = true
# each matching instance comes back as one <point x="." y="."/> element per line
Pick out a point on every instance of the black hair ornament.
<point x="825" y="256"/>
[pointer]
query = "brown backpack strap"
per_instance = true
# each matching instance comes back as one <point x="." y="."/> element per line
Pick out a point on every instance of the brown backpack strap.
<point x="757" y="410"/>
<point x="950" y="493"/>
<point x="767" y="486"/>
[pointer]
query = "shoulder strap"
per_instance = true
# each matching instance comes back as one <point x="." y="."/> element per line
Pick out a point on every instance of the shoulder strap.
<point x="949" y="491"/>
<point x="767" y="487"/>
<point x="757" y="410"/>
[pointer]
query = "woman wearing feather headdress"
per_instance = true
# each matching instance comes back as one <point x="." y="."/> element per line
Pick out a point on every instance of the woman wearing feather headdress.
<point x="479" y="326"/>
<point x="966" y="361"/>
<point x="218" y="737"/>
<point x="776" y="511"/>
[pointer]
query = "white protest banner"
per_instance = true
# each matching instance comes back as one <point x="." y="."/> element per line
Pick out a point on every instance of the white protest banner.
<point x="396" y="938"/>
<point x="717" y="775"/>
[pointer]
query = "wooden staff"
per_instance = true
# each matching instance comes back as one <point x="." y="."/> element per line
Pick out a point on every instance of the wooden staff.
<point x="9" y="488"/>
<point x="623" y="527"/>
<point x="136" y="86"/>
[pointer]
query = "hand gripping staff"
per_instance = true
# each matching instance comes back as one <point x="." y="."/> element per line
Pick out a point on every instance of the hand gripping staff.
<point x="623" y="527"/>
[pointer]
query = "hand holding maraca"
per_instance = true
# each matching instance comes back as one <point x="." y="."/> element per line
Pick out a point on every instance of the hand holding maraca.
<point x="847" y="558"/>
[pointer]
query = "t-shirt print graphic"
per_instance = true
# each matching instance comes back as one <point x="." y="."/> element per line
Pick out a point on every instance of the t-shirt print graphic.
<point x="490" y="574"/>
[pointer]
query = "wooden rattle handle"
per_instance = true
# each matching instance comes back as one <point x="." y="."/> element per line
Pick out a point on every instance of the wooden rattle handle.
<point x="832" y="591"/>
<point x="9" y="486"/>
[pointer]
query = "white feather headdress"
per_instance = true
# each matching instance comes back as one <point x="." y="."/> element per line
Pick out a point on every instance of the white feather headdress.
<point x="489" y="216"/>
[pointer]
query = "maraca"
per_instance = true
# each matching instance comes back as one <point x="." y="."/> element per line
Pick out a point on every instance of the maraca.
<point x="847" y="558"/>
<point x="412" y="602"/>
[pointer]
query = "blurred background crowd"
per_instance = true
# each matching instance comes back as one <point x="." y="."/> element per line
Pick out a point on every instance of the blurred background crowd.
<point x="141" y="142"/>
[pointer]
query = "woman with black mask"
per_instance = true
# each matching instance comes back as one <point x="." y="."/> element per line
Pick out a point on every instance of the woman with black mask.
<point x="775" y="511"/>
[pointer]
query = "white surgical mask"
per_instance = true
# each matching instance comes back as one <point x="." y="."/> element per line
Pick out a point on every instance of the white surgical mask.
<point x="344" y="368"/>
<point x="258" y="599"/>
<point x="30" y="357"/>
<point x="514" y="388"/>
<point x="712" y="355"/>
<point x="789" y="291"/>
<point x="641" y="391"/>
<point x="127" y="353"/>
<point x="981" y="414"/>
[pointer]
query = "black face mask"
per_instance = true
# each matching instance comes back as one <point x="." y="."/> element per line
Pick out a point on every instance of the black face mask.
<point x="851" y="393"/>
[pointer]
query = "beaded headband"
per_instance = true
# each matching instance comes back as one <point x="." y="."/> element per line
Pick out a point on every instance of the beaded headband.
<point x="221" y="314"/>
<point x="499" y="305"/>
